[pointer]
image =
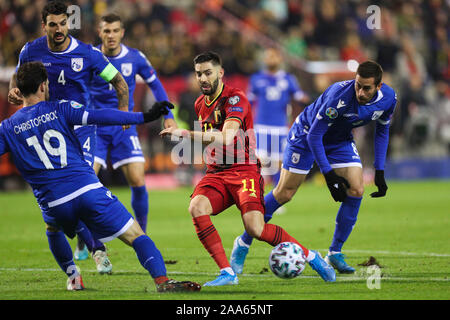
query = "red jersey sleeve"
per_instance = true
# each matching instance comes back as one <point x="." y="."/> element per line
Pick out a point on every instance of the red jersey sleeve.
<point x="237" y="107"/>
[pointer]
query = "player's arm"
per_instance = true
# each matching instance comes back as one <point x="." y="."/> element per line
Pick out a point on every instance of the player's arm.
<point x="381" y="142"/>
<point x="224" y="137"/>
<point x="14" y="94"/>
<point x="121" y="87"/>
<point x="76" y="114"/>
<point x="147" y="73"/>
<point x="336" y="184"/>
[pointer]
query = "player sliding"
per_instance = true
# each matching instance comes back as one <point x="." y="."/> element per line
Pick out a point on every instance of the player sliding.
<point x="323" y="133"/>
<point x="233" y="170"/>
<point x="46" y="151"/>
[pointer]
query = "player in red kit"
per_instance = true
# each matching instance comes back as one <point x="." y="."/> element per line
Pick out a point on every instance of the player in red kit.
<point x="233" y="170"/>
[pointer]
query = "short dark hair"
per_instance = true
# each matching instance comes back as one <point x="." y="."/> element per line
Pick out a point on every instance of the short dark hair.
<point x="370" y="69"/>
<point x="208" y="56"/>
<point x="54" y="7"/>
<point x="111" y="17"/>
<point x="29" y="76"/>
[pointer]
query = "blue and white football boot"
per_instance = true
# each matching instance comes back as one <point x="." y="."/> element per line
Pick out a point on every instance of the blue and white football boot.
<point x="238" y="255"/>
<point x="337" y="261"/>
<point x="223" y="279"/>
<point x="325" y="271"/>
<point x="82" y="254"/>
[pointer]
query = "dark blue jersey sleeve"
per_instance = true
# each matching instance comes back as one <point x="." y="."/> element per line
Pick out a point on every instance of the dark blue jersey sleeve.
<point x="3" y="146"/>
<point x="148" y="73"/>
<point x="77" y="114"/>
<point x="381" y="140"/>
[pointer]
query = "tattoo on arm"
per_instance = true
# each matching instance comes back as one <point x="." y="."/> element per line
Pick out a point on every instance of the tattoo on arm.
<point x="121" y="87"/>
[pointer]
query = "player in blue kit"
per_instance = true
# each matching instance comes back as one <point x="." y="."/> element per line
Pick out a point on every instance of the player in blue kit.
<point x="46" y="151"/>
<point x="323" y="133"/>
<point x="71" y="65"/>
<point x="270" y="92"/>
<point x="123" y="145"/>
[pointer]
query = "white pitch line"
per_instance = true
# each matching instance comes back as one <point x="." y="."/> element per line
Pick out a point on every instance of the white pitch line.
<point x="245" y="275"/>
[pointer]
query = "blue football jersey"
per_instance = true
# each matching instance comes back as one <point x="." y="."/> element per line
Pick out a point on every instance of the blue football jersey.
<point x="70" y="71"/>
<point x="331" y="118"/>
<point x="272" y="93"/>
<point x="339" y="108"/>
<point x="130" y="62"/>
<point x="45" y="149"/>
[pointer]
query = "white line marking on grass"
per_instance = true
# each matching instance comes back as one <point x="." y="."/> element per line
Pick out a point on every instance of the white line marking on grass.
<point x="245" y="275"/>
<point x="399" y="253"/>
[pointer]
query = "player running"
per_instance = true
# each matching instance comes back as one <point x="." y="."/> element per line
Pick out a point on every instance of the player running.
<point x="49" y="156"/>
<point x="323" y="133"/>
<point x="123" y="145"/>
<point x="233" y="170"/>
<point x="71" y="64"/>
<point x="270" y="92"/>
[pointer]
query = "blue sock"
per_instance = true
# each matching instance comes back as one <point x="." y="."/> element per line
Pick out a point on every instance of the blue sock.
<point x="61" y="250"/>
<point x="276" y="178"/>
<point x="271" y="205"/>
<point x="139" y="202"/>
<point x="149" y="256"/>
<point x="345" y="221"/>
<point x="84" y="234"/>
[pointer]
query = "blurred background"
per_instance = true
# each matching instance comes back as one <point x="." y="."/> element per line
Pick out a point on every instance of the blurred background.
<point x="321" y="42"/>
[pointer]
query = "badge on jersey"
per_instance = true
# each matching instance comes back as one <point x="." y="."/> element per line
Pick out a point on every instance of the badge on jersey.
<point x="126" y="69"/>
<point x="377" y="114"/>
<point x="295" y="158"/>
<point x="233" y="100"/>
<point x="77" y="64"/>
<point x="75" y="105"/>
<point x="331" y="113"/>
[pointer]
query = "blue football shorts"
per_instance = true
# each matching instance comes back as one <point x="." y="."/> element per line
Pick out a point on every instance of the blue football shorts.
<point x="123" y="146"/>
<point x="101" y="211"/>
<point x="88" y="140"/>
<point x="270" y="141"/>
<point x="299" y="159"/>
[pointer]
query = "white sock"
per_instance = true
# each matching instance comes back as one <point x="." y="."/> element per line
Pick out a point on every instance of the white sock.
<point x="330" y="253"/>
<point x="229" y="270"/>
<point x="242" y="243"/>
<point x="311" y="256"/>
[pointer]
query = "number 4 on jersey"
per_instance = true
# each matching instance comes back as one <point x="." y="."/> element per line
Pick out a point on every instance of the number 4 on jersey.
<point x="61" y="78"/>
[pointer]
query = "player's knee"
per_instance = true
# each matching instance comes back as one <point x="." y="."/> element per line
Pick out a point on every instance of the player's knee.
<point x="197" y="208"/>
<point x="356" y="192"/>
<point x="51" y="229"/>
<point x="254" y="230"/>
<point x="283" y="195"/>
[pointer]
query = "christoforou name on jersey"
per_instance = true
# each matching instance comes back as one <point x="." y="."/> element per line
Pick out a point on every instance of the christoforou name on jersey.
<point x="35" y="122"/>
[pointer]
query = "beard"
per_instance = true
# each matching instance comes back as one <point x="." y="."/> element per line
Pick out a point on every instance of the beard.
<point x="212" y="89"/>
<point x="60" y="42"/>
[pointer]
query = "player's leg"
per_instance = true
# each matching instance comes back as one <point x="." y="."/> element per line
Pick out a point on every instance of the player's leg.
<point x="62" y="252"/>
<point x="107" y="218"/>
<point x="346" y="217"/>
<point x="283" y="192"/>
<point x="274" y="235"/>
<point x="134" y="172"/>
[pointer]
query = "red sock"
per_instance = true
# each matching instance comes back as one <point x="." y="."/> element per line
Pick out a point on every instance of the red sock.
<point x="274" y="235"/>
<point x="210" y="239"/>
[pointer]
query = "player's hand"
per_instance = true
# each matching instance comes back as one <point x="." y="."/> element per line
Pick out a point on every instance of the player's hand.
<point x="337" y="185"/>
<point x="172" y="131"/>
<point x="15" y="96"/>
<point x="158" y="109"/>
<point x="380" y="183"/>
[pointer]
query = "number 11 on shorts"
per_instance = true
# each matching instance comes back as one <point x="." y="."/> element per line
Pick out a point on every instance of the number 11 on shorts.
<point x="244" y="185"/>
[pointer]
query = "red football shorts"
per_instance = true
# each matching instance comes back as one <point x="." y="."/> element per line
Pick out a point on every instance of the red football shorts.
<point x="223" y="189"/>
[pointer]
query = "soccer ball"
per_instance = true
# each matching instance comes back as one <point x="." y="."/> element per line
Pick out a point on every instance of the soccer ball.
<point x="287" y="260"/>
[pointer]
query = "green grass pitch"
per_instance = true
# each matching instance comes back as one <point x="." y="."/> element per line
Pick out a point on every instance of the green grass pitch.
<point x="407" y="232"/>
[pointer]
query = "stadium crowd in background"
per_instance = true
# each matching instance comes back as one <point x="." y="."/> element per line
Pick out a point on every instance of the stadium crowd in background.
<point x="412" y="46"/>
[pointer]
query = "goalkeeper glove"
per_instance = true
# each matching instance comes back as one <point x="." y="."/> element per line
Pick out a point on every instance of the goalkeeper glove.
<point x="157" y="110"/>
<point x="380" y="183"/>
<point x="337" y="185"/>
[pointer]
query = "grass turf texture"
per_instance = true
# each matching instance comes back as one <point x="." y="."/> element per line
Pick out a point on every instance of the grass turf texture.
<point x="407" y="233"/>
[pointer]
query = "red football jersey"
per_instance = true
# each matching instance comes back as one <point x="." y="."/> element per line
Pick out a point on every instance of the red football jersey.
<point x="230" y="104"/>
